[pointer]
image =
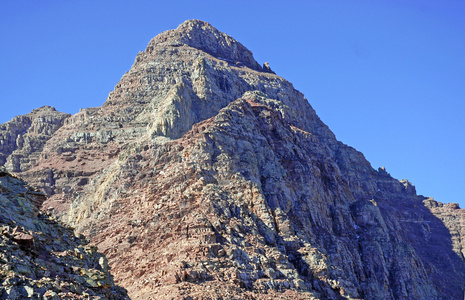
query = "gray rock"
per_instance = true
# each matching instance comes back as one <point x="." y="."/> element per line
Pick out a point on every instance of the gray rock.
<point x="200" y="146"/>
<point x="43" y="259"/>
<point x="26" y="291"/>
<point x="22" y="138"/>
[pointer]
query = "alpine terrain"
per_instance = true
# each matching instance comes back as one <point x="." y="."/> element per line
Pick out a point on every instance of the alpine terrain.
<point x="205" y="175"/>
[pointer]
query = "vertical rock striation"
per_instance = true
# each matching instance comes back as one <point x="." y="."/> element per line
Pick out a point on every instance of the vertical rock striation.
<point x="22" y="138"/>
<point x="205" y="175"/>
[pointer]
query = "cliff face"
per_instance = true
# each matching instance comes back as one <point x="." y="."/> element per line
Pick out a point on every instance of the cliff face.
<point x="206" y="175"/>
<point x="22" y="138"/>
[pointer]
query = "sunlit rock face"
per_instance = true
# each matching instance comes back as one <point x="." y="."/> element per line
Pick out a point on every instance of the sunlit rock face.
<point x="205" y="175"/>
<point x="23" y="138"/>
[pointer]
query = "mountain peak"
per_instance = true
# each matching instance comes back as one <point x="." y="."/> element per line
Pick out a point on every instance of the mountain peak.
<point x="203" y="36"/>
<point x="207" y="176"/>
<point x="195" y="23"/>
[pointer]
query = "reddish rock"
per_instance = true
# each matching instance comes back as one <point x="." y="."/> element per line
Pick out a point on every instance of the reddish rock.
<point x="206" y="176"/>
<point x="24" y="240"/>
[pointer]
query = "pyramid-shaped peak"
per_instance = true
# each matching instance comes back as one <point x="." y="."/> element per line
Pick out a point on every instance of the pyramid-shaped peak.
<point x="203" y="36"/>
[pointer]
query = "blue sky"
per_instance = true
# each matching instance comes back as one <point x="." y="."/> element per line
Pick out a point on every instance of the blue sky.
<point x="388" y="77"/>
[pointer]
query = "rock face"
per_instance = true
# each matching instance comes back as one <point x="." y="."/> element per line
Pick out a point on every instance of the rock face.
<point x="206" y="176"/>
<point x="22" y="139"/>
<point x="43" y="259"/>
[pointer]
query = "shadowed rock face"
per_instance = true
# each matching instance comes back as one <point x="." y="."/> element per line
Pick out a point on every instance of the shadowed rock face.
<point x="43" y="259"/>
<point x="205" y="176"/>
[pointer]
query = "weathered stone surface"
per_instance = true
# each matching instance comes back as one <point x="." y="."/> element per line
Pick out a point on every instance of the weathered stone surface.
<point x="43" y="259"/>
<point x="248" y="204"/>
<point x="170" y="87"/>
<point x="202" y="36"/>
<point x="206" y="176"/>
<point x="22" y="138"/>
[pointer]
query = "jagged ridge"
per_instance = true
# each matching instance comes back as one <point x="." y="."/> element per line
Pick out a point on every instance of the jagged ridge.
<point x="24" y="136"/>
<point x="203" y="36"/>
<point x="204" y="176"/>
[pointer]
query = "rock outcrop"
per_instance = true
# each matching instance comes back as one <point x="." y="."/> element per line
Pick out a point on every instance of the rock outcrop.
<point x="22" y="138"/>
<point x="43" y="259"/>
<point x="205" y="175"/>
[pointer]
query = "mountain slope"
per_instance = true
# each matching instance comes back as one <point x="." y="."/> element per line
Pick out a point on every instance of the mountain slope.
<point x="22" y="138"/>
<point x="205" y="175"/>
<point x="43" y="259"/>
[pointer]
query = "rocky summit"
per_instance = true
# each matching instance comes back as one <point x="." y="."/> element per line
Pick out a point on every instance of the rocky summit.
<point x="205" y="175"/>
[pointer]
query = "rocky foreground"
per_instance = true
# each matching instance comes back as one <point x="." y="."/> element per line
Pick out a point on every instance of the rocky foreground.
<point x="40" y="258"/>
<point x="207" y="176"/>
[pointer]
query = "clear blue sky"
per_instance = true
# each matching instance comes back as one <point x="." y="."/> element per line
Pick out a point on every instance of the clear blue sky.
<point x="387" y="76"/>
